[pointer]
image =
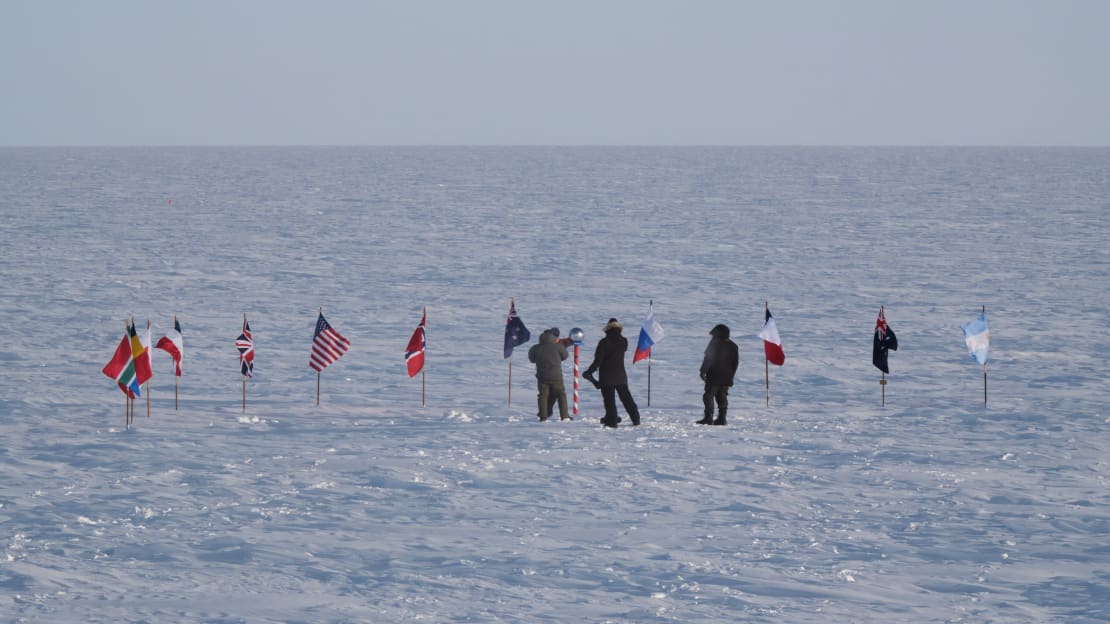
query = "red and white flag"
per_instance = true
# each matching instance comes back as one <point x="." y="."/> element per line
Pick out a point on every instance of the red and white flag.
<point x="414" y="352"/>
<point x="173" y="344"/>
<point x="327" y="345"/>
<point x="772" y="344"/>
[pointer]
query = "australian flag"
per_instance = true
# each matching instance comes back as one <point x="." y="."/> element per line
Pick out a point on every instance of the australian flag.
<point x="516" y="333"/>
<point x="884" y="341"/>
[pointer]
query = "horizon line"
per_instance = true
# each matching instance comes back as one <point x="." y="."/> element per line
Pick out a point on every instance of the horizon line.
<point x="555" y="145"/>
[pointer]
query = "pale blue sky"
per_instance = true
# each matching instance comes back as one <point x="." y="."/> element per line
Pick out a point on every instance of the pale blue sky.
<point x="276" y="72"/>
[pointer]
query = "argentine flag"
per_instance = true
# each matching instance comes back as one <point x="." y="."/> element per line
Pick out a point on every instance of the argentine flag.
<point x="651" y="332"/>
<point x="978" y="338"/>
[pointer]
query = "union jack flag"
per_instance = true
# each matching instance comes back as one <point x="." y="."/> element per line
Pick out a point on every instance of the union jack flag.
<point x="245" y="345"/>
<point x="414" y="352"/>
<point x="327" y="345"/>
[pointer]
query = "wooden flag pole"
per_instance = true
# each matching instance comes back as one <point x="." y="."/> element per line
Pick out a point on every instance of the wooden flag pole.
<point x="650" y="304"/>
<point x="984" y="368"/>
<point x="244" y="374"/>
<point x="175" y="377"/>
<point x="147" y="384"/>
<point x="318" y="372"/>
<point x="766" y="366"/>
<point x="512" y="304"/>
<point x="767" y="380"/>
<point x="423" y="369"/>
<point x="984" y="385"/>
<point x="127" y="393"/>
<point x="882" y="382"/>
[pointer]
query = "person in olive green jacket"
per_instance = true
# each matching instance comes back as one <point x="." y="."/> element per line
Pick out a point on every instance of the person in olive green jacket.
<point x="548" y="355"/>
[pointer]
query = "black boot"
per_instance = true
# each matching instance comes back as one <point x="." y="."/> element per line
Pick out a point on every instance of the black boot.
<point x="708" y="420"/>
<point x="720" y="419"/>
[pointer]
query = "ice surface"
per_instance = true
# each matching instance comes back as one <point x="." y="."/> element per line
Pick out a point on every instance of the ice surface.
<point x="823" y="507"/>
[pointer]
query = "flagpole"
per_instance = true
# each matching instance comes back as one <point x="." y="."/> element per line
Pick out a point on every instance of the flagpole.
<point x="244" y="374"/>
<point x="147" y="384"/>
<point x="984" y="368"/>
<point x="650" y="304"/>
<point x="512" y="304"/>
<point x="766" y="366"/>
<point x="882" y="381"/>
<point x="175" y="378"/>
<point x="318" y="372"/>
<point x="423" y="369"/>
<point x="127" y="392"/>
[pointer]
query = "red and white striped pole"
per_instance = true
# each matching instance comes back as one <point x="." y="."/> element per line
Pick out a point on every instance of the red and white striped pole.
<point x="576" y="379"/>
<point x="576" y="336"/>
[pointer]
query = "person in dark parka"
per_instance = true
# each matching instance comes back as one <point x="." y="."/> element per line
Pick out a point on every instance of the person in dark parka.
<point x="612" y="379"/>
<point x="718" y="367"/>
<point x="548" y="355"/>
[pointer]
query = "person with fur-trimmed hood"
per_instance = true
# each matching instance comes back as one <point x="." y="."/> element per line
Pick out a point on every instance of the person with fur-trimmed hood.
<point x="718" y="368"/>
<point x="548" y="355"/>
<point x="612" y="379"/>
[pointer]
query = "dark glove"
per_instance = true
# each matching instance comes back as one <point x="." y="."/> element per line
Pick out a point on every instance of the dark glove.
<point x="703" y="376"/>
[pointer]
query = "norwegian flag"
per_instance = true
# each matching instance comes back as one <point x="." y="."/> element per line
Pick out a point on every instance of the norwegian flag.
<point x="327" y="345"/>
<point x="245" y="345"/>
<point x="414" y="352"/>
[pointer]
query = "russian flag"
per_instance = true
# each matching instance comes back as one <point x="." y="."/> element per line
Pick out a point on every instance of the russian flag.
<point x="651" y="332"/>
<point x="978" y="338"/>
<point x="772" y="344"/>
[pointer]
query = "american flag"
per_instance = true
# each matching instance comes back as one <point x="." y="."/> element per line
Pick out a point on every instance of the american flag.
<point x="327" y="345"/>
<point x="245" y="345"/>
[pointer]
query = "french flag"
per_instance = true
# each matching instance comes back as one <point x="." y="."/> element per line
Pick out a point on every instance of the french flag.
<point x="173" y="344"/>
<point x="772" y="344"/>
<point x="651" y="332"/>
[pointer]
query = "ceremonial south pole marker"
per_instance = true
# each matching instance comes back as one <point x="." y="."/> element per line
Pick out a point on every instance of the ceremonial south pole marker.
<point x="576" y="336"/>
